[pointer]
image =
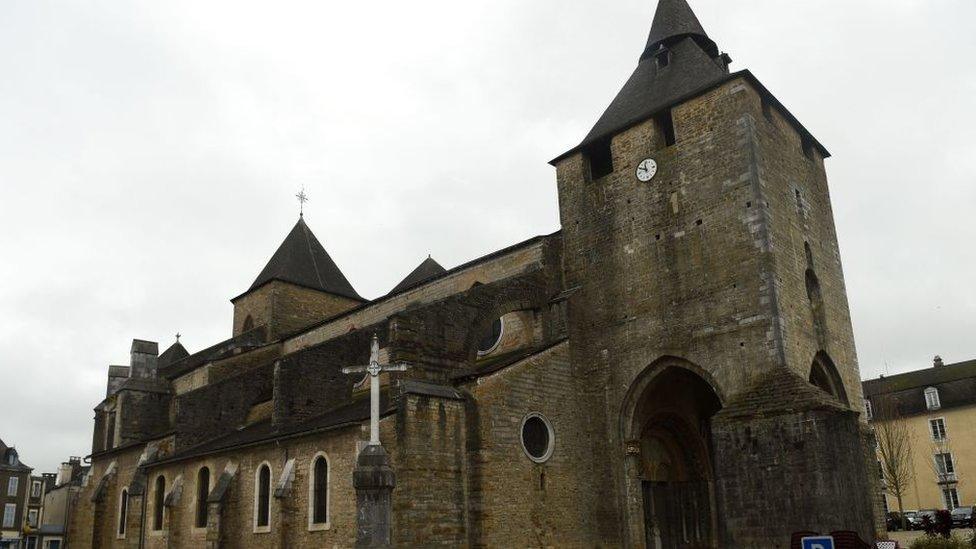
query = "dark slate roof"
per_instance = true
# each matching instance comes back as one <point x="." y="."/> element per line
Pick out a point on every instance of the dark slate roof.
<point x="175" y="352"/>
<point x="904" y="394"/>
<point x="146" y="385"/>
<point x="301" y="260"/>
<point x="651" y="90"/>
<point x="928" y="377"/>
<point x="780" y="392"/>
<point x="674" y="19"/>
<point x="493" y="255"/>
<point x="241" y="343"/>
<point x="427" y="270"/>
<point x="696" y="66"/>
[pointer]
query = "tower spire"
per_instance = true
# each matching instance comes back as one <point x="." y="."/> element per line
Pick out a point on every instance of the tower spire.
<point x="679" y="59"/>
<point x="674" y="20"/>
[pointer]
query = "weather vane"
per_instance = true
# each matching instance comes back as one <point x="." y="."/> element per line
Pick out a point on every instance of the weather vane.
<point x="302" y="199"/>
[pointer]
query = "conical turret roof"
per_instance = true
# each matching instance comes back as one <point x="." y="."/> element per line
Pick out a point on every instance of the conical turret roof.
<point x="693" y="63"/>
<point x="674" y="19"/>
<point x="427" y="269"/>
<point x="302" y="260"/>
<point x="174" y="353"/>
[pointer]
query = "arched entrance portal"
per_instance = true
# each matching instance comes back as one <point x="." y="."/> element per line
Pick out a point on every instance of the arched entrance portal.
<point x="670" y="441"/>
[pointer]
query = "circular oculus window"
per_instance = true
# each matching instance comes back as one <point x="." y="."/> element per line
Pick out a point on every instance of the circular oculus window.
<point x="491" y="340"/>
<point x="538" y="438"/>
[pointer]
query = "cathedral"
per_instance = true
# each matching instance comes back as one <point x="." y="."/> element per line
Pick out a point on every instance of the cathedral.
<point x="673" y="368"/>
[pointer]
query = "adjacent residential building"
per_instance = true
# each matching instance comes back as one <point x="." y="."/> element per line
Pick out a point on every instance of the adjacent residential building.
<point x="58" y="503"/>
<point x="14" y="485"/>
<point x="938" y="405"/>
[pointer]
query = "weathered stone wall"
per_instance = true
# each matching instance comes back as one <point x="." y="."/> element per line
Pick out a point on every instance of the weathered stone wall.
<point x="429" y="501"/>
<point x="220" y="407"/>
<point x="809" y="468"/>
<point x="141" y="415"/>
<point x="520" y="260"/>
<point x="289" y="517"/>
<point x="798" y="211"/>
<point x="95" y="523"/>
<point x="311" y="382"/>
<point x="286" y="308"/>
<point x="513" y="501"/>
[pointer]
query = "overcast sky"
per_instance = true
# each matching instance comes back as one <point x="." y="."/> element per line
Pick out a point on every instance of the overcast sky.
<point x="150" y="151"/>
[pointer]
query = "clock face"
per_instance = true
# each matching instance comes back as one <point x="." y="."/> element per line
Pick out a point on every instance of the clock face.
<point x="646" y="170"/>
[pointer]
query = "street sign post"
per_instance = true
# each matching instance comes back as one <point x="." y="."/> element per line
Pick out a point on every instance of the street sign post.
<point x="817" y="542"/>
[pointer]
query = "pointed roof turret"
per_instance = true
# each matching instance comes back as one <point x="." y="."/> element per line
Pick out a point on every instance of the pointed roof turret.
<point x="679" y="59"/>
<point x="674" y="20"/>
<point x="302" y="261"/>
<point x="174" y="353"/>
<point x="427" y="270"/>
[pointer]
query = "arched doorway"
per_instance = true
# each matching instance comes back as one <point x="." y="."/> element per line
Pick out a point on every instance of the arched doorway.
<point x="669" y="426"/>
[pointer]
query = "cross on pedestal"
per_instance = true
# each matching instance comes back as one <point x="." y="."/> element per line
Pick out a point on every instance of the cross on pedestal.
<point x="374" y="369"/>
<point x="373" y="478"/>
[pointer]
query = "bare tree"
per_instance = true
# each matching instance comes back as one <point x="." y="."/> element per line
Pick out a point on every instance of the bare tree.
<point x="896" y="451"/>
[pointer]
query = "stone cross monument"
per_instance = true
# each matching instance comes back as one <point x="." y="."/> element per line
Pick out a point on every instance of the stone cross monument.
<point x="373" y="477"/>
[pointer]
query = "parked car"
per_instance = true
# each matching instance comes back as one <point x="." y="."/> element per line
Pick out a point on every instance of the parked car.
<point x="962" y="517"/>
<point x="912" y="520"/>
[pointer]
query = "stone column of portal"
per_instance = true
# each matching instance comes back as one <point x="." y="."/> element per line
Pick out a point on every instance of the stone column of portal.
<point x="374" y="480"/>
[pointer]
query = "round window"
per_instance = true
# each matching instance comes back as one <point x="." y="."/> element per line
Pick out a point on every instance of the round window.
<point x="537" y="437"/>
<point x="491" y="340"/>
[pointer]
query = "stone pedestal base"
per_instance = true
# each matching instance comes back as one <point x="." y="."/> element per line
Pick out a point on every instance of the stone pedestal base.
<point x="374" y="481"/>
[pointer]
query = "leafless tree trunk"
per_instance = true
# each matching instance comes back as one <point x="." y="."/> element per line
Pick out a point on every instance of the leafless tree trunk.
<point x="896" y="451"/>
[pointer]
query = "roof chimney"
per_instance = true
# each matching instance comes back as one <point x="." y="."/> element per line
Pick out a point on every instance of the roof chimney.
<point x="937" y="361"/>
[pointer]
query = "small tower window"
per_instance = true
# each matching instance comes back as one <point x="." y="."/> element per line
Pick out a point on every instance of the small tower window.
<point x="600" y="159"/>
<point x="248" y="324"/>
<point x="663" y="57"/>
<point x="808" y="150"/>
<point x="868" y="410"/>
<point x="665" y="126"/>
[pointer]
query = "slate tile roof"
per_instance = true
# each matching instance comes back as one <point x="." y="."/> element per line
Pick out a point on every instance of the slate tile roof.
<point x="174" y="353"/>
<point x="427" y="270"/>
<point x="301" y="260"/>
<point x="696" y="67"/>
<point x="904" y="394"/>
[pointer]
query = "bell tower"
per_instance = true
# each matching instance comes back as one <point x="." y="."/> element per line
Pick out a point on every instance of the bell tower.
<point x="697" y="227"/>
<point x="299" y="286"/>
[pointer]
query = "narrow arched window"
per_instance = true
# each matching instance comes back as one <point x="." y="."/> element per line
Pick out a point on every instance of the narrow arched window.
<point x="158" y="499"/>
<point x="203" y="490"/>
<point x="123" y="509"/>
<point x="319" y="497"/>
<point x="248" y="324"/>
<point x="262" y="498"/>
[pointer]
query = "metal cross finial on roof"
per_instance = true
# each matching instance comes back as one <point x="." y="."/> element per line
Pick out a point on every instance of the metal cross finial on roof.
<point x="374" y="369"/>
<point x="302" y="199"/>
<point x="177" y="337"/>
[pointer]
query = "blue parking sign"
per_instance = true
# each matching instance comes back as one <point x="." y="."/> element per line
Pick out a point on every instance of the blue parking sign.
<point x="817" y="542"/>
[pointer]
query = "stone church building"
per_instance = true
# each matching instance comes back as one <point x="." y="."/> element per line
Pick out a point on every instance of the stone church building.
<point x="674" y="368"/>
